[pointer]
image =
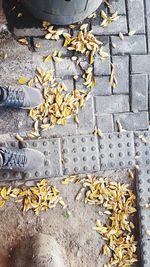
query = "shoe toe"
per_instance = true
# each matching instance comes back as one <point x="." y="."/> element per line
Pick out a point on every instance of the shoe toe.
<point x="35" y="159"/>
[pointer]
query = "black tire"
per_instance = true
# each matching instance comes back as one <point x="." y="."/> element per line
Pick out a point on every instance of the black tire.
<point x="62" y="12"/>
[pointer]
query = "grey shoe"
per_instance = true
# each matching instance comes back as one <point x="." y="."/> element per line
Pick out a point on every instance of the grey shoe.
<point x="24" y="97"/>
<point x="20" y="159"/>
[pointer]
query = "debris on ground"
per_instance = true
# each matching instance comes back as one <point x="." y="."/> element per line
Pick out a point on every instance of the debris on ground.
<point x="119" y="204"/>
<point x="37" y="198"/>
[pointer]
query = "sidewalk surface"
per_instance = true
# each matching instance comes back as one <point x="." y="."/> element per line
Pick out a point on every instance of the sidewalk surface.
<point x="122" y="113"/>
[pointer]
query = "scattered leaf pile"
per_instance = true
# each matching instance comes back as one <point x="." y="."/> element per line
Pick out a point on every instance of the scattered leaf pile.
<point x="84" y="42"/>
<point x="107" y="20"/>
<point x="50" y="32"/>
<point x="58" y="105"/>
<point x="119" y="202"/>
<point x="37" y="198"/>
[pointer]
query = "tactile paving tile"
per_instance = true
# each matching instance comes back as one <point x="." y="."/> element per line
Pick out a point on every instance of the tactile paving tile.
<point x="8" y="175"/>
<point x="143" y="186"/>
<point x="145" y="253"/>
<point x="80" y="154"/>
<point x="142" y="149"/>
<point x="117" y="151"/>
<point x="52" y="165"/>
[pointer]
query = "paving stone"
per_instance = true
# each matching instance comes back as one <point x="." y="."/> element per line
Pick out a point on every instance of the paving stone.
<point x="135" y="44"/>
<point x="132" y="121"/>
<point x="145" y="251"/>
<point x="140" y="64"/>
<point x="51" y="149"/>
<point x="80" y="154"/>
<point x="142" y="149"/>
<point x="117" y="151"/>
<point x="136" y="15"/>
<point x="105" y="123"/>
<point x="86" y="118"/>
<point x="148" y="21"/>
<point x="18" y="62"/>
<point x="49" y="46"/>
<point x="66" y="68"/>
<point x="102" y="67"/>
<point x="139" y="87"/>
<point x="111" y="104"/>
<point x="37" y="61"/>
<point x="117" y="6"/>
<point x="115" y="27"/>
<point x="102" y="86"/>
<point x="122" y="74"/>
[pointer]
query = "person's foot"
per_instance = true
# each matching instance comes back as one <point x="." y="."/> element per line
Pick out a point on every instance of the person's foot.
<point x="20" y="159"/>
<point x="24" y="97"/>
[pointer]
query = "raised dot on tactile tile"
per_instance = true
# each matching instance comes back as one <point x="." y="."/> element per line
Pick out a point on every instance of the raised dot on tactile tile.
<point x="141" y="190"/>
<point x="27" y="175"/>
<point x="93" y="158"/>
<point x="148" y="181"/>
<point x="47" y="173"/>
<point x="145" y="134"/>
<point x="119" y="135"/>
<point x="73" y="140"/>
<point x="148" y="171"/>
<point x="74" y="150"/>
<point x="102" y="146"/>
<point x="83" y="149"/>
<point x="140" y="181"/>
<point x="146" y="152"/>
<point x="76" y="169"/>
<point x="93" y="148"/>
<point x="111" y="155"/>
<point x="141" y="199"/>
<point x="137" y="144"/>
<point x="46" y="153"/>
<point x="128" y="135"/>
<point x="66" y="160"/>
<point x="129" y="154"/>
<point x="145" y="252"/>
<point x="66" y="171"/>
<point x="110" y="136"/>
<point x="75" y="159"/>
<point x="84" y="158"/>
<point x="120" y="154"/>
<point x="128" y="144"/>
<point x="65" y="151"/>
<point x="92" y="139"/>
<point x="46" y="163"/>
<point x="112" y="164"/>
<point x="102" y="156"/>
<point x="5" y="175"/>
<point x="142" y="218"/>
<point x="45" y="143"/>
<point x="37" y="174"/>
<point x="35" y="144"/>
<point x="94" y="167"/>
<point x="119" y="145"/>
<point x="148" y="189"/>
<point x="111" y="146"/>
<point x="147" y="161"/>
<point x="13" y="144"/>
<point x="85" y="168"/>
<point x="143" y="226"/>
<point x="54" y="142"/>
<point x="121" y="163"/>
<point x="83" y="140"/>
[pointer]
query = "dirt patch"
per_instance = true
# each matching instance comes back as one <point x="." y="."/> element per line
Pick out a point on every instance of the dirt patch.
<point x="73" y="233"/>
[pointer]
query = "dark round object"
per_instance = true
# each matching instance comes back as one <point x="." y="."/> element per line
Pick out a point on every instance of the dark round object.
<point x="62" y="12"/>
